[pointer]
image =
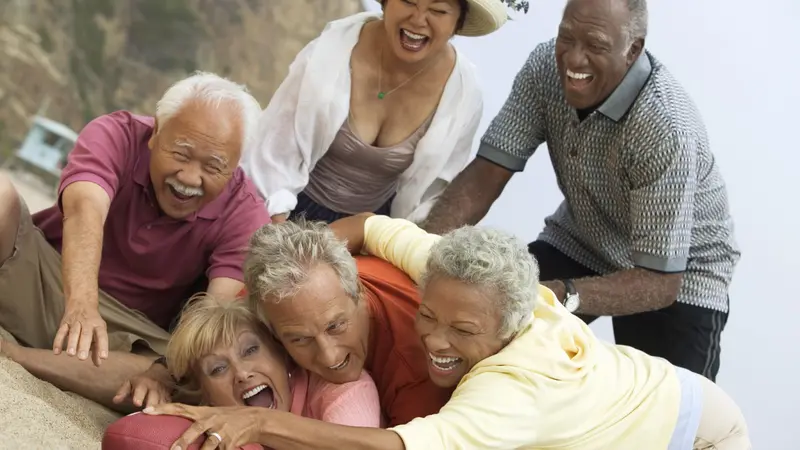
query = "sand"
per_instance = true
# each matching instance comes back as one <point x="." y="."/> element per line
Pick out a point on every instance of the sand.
<point x="35" y="414"/>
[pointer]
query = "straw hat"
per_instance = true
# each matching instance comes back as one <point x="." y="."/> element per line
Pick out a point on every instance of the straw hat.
<point x="484" y="17"/>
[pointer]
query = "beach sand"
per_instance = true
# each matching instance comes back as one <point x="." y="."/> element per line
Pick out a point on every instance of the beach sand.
<point x="35" y="414"/>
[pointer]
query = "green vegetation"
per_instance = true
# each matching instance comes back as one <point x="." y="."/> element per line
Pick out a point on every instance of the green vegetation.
<point x="164" y="34"/>
<point x="86" y="61"/>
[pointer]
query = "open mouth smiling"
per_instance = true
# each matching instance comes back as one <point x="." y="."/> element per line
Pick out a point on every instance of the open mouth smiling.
<point x="261" y="395"/>
<point x="412" y="41"/>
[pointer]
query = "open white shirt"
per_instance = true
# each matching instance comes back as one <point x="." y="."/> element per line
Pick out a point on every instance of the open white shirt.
<point x="308" y="109"/>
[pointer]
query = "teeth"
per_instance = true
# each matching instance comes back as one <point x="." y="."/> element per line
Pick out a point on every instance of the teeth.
<point x="341" y="364"/>
<point x="185" y="190"/>
<point x="414" y="35"/>
<point x="442" y="360"/>
<point x="253" y="391"/>
<point x="578" y="76"/>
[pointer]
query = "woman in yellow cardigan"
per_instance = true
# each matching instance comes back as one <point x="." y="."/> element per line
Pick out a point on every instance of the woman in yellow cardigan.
<point x="527" y="374"/>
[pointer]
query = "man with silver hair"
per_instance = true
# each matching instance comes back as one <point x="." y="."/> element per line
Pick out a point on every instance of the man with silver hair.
<point x="150" y="210"/>
<point x="644" y="233"/>
<point x="337" y="315"/>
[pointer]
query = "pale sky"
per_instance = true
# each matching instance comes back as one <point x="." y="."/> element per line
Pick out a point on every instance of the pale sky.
<point x="739" y="61"/>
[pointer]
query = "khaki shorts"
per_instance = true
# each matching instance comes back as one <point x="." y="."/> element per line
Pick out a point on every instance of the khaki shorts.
<point x="32" y="299"/>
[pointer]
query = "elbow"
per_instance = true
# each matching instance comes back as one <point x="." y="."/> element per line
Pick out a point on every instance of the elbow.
<point x="85" y="199"/>
<point x="672" y="288"/>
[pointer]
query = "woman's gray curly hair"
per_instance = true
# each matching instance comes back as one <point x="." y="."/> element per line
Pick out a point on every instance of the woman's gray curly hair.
<point x="282" y="255"/>
<point x="490" y="260"/>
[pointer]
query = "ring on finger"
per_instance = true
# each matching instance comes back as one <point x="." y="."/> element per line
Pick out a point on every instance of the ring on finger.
<point x="215" y="435"/>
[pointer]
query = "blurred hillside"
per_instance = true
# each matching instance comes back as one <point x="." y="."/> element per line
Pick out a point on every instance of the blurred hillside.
<point x="82" y="58"/>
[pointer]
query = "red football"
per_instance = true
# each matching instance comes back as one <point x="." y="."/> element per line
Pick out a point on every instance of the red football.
<point x="143" y="432"/>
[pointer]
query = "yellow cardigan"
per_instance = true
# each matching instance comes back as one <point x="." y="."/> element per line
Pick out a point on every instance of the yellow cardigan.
<point x="555" y="386"/>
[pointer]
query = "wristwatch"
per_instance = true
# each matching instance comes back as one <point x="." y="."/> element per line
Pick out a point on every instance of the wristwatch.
<point x="162" y="360"/>
<point x="572" y="301"/>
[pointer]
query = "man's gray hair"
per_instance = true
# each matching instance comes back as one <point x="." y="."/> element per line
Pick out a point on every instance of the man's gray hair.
<point x="213" y="90"/>
<point x="637" y="24"/>
<point x="282" y="255"/>
<point x="493" y="261"/>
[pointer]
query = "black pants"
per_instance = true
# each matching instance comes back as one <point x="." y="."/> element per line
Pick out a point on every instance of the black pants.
<point x="685" y="335"/>
<point x="311" y="210"/>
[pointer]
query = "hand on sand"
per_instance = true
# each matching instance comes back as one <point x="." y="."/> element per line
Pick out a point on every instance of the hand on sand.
<point x="145" y="389"/>
<point x="84" y="331"/>
<point x="6" y="348"/>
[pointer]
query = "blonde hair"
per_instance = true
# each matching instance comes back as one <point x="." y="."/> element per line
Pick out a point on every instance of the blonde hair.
<point x="205" y="324"/>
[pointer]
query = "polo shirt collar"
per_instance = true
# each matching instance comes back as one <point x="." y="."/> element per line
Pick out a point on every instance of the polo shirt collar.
<point x="623" y="97"/>
<point x="211" y="211"/>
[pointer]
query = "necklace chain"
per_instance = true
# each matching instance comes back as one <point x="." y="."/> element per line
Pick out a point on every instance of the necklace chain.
<point x="381" y="93"/>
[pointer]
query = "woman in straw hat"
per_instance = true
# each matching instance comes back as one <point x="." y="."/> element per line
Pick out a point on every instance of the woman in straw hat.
<point x="377" y="114"/>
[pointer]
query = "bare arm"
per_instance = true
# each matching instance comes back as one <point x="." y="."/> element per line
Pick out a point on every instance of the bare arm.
<point x="85" y="206"/>
<point x="625" y="292"/>
<point x="287" y="431"/>
<point x="661" y="217"/>
<point x="351" y="230"/>
<point x="508" y="143"/>
<point x="469" y="197"/>
<point x="224" y="288"/>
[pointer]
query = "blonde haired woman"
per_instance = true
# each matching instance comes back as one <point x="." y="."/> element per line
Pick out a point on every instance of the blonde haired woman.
<point x="221" y="353"/>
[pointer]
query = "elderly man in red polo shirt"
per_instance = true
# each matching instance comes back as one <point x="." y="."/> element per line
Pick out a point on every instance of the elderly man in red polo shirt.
<point x="148" y="209"/>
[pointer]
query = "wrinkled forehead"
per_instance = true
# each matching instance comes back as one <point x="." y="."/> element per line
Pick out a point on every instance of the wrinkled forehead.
<point x="207" y="126"/>
<point x="603" y="18"/>
<point x="459" y="300"/>
<point x="309" y="313"/>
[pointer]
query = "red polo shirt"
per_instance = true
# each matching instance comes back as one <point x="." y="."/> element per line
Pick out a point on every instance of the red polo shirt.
<point x="397" y="360"/>
<point x="150" y="262"/>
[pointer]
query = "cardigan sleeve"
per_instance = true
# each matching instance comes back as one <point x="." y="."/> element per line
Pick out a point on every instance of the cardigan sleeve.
<point x="459" y="159"/>
<point x="447" y="147"/>
<point x="276" y="163"/>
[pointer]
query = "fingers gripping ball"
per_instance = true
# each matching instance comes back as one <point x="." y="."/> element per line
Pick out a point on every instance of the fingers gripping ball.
<point x="143" y="432"/>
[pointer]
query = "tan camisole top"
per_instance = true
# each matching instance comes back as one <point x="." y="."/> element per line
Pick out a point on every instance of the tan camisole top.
<point x="354" y="177"/>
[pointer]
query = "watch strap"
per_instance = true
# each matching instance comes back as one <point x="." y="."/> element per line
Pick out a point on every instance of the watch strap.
<point x="161" y="360"/>
<point x="569" y="289"/>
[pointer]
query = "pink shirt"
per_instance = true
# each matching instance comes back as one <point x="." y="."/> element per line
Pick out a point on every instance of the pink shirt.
<point x="150" y="262"/>
<point x="354" y="404"/>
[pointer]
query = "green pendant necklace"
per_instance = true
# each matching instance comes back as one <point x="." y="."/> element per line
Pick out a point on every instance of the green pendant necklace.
<point x="381" y="93"/>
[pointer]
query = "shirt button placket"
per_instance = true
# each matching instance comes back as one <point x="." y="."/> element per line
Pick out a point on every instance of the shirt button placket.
<point x="573" y="139"/>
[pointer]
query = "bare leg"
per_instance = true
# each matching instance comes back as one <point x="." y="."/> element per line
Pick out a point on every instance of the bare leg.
<point x="9" y="218"/>
<point x="81" y="377"/>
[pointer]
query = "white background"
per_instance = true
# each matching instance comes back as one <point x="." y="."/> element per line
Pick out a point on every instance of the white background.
<point x="740" y="62"/>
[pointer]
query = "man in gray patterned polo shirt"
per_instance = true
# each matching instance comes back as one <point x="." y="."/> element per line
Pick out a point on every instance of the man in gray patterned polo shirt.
<point x="644" y="233"/>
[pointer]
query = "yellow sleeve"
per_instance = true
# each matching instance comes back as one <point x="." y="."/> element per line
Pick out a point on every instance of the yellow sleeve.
<point x="490" y="410"/>
<point x="399" y="242"/>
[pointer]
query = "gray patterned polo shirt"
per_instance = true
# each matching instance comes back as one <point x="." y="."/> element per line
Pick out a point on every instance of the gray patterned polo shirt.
<point x="641" y="187"/>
